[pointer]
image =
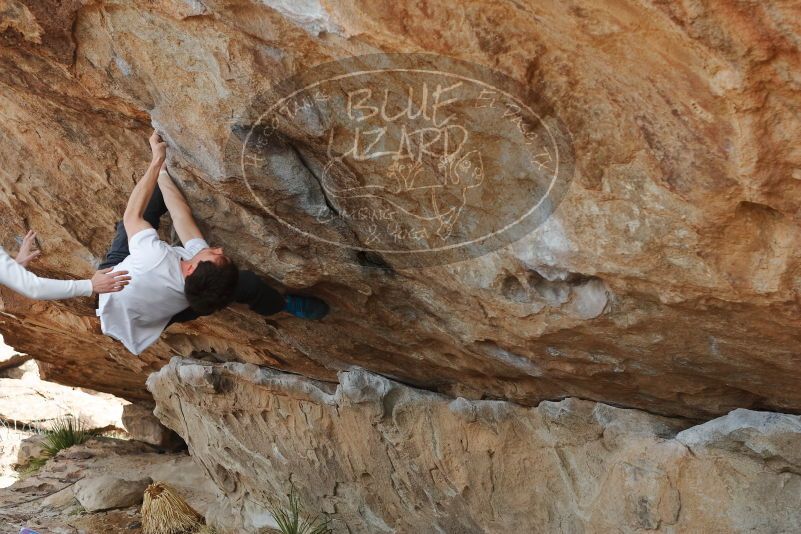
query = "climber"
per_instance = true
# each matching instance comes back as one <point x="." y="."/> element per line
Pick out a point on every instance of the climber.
<point x="177" y="284"/>
<point x="14" y="275"/>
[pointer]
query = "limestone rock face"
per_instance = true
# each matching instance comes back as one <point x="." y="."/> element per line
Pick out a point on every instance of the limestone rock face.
<point x="384" y="457"/>
<point x="667" y="279"/>
<point x="662" y="275"/>
<point x="142" y="425"/>
<point x="39" y="404"/>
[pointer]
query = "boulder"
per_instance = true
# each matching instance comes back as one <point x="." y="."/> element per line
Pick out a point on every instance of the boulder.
<point x="108" y="492"/>
<point x="142" y="425"/>
<point x="30" y="448"/>
<point x="60" y="499"/>
<point x="680" y="219"/>
<point x="26" y="370"/>
<point x="381" y="456"/>
<point x="38" y="403"/>
<point x="657" y="269"/>
<point x="10" y="360"/>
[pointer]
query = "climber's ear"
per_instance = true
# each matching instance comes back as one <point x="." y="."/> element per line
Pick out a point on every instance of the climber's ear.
<point x="187" y="268"/>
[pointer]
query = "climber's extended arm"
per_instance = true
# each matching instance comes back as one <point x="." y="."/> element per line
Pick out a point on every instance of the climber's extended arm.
<point x="182" y="219"/>
<point x="134" y="213"/>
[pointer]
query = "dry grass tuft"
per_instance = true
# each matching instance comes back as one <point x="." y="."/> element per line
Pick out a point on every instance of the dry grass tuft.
<point x="164" y="512"/>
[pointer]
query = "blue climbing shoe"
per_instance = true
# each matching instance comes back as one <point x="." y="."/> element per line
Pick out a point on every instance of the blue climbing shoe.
<point x="305" y="307"/>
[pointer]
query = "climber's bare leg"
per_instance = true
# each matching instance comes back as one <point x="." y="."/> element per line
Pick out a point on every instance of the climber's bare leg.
<point x="182" y="219"/>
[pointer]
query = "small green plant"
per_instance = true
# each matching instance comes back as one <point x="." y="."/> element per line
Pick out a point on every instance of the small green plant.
<point x="290" y="521"/>
<point x="63" y="434"/>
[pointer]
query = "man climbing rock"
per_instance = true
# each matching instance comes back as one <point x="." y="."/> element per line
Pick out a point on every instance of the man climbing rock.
<point x="177" y="284"/>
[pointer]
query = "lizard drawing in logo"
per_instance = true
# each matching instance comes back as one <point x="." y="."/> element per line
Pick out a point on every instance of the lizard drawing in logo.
<point x="431" y="194"/>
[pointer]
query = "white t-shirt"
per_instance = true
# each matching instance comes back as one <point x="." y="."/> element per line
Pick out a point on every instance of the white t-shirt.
<point x="139" y="313"/>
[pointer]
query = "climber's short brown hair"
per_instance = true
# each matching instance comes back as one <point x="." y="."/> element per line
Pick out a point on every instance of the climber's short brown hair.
<point x="212" y="286"/>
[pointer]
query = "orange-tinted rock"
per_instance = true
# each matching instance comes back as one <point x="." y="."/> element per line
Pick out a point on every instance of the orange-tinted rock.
<point x="667" y="279"/>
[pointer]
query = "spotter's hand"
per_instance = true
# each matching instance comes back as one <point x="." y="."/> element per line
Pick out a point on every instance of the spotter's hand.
<point x="105" y="281"/>
<point x="26" y="252"/>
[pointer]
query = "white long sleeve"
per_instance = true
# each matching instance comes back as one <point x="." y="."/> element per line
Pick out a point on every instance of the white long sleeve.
<point x="24" y="282"/>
